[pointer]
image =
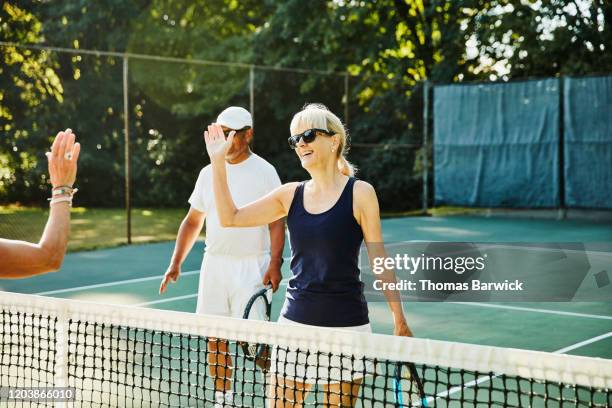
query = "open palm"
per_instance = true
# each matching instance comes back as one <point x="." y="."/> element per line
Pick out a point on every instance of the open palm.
<point x="216" y="145"/>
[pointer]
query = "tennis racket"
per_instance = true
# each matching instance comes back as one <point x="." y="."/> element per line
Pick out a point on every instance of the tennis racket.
<point x="259" y="353"/>
<point x="408" y="387"/>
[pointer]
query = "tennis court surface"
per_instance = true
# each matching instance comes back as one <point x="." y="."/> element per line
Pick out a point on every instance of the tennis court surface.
<point x="466" y="354"/>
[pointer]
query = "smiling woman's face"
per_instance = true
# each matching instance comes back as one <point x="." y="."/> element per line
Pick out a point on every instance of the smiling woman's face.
<point x="327" y="147"/>
<point x="318" y="152"/>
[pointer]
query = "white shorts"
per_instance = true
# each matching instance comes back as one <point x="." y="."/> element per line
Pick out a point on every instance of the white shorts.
<point x="228" y="282"/>
<point x="318" y="369"/>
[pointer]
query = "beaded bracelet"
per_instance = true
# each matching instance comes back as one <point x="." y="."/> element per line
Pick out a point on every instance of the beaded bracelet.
<point x="61" y="190"/>
<point x="62" y="194"/>
<point x="63" y="199"/>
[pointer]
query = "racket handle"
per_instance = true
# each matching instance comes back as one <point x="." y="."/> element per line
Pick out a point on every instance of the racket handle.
<point x="398" y="392"/>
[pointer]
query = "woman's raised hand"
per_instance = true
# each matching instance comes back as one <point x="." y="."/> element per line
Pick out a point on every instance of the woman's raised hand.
<point x="216" y="144"/>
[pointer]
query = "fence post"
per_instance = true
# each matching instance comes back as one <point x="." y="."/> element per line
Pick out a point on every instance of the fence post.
<point x="252" y="100"/>
<point x="252" y="93"/>
<point x="425" y="144"/>
<point x="126" y="131"/>
<point x="346" y="100"/>
<point x="562" y="210"/>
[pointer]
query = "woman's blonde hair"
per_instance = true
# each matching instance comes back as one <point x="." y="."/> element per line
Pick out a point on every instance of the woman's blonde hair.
<point x="317" y="116"/>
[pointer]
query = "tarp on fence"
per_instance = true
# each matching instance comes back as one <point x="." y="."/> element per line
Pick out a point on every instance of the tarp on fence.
<point x="496" y="145"/>
<point x="588" y="142"/>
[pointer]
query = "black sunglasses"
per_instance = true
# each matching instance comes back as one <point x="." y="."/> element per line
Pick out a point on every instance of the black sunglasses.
<point x="228" y="131"/>
<point x="307" y="136"/>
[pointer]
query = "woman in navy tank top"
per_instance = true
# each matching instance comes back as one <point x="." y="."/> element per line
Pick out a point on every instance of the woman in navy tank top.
<point x="328" y="217"/>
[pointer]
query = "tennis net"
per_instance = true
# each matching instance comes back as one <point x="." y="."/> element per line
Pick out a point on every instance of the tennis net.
<point x="136" y="357"/>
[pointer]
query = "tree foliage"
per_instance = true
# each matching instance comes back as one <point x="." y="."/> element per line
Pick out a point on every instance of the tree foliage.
<point x="29" y="85"/>
<point x="545" y="38"/>
<point x="389" y="47"/>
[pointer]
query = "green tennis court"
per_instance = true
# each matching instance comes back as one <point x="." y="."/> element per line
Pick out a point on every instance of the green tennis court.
<point x="131" y="276"/>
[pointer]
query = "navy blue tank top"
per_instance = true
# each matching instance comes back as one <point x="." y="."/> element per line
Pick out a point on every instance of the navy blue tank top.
<point x="325" y="289"/>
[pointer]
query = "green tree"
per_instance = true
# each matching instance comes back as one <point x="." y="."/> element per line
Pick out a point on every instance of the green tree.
<point x="390" y="47"/>
<point x="544" y="38"/>
<point x="176" y="100"/>
<point x="169" y="102"/>
<point x="29" y="86"/>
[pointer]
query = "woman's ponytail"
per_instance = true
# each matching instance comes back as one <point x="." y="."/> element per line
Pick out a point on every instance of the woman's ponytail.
<point x="346" y="167"/>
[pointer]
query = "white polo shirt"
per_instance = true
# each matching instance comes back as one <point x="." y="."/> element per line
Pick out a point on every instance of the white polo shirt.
<point x="248" y="181"/>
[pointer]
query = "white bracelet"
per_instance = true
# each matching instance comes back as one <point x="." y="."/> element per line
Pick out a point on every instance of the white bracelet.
<point x="63" y="199"/>
<point x="64" y="190"/>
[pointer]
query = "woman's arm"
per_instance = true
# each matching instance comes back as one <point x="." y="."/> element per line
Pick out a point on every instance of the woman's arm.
<point x="19" y="259"/>
<point x="22" y="259"/>
<point x="264" y="211"/>
<point x="367" y="214"/>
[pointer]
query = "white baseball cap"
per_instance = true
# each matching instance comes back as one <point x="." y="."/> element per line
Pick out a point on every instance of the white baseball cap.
<point x="235" y="118"/>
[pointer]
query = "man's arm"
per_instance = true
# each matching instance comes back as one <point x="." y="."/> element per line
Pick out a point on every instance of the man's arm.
<point x="277" y="244"/>
<point x="187" y="235"/>
<point x="20" y="259"/>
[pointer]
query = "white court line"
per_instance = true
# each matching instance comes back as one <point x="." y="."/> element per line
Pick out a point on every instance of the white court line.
<point x="500" y="245"/>
<point x="107" y="284"/>
<point x="518" y="308"/>
<point x="284" y="281"/>
<point x="480" y="380"/>
<point x="534" y="310"/>
<point x="154" y="302"/>
<point x="583" y="343"/>
<point x="172" y="299"/>
<point x="181" y="297"/>
<point x="114" y="283"/>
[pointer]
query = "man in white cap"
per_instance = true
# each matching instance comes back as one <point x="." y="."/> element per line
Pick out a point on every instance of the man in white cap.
<point x="237" y="261"/>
